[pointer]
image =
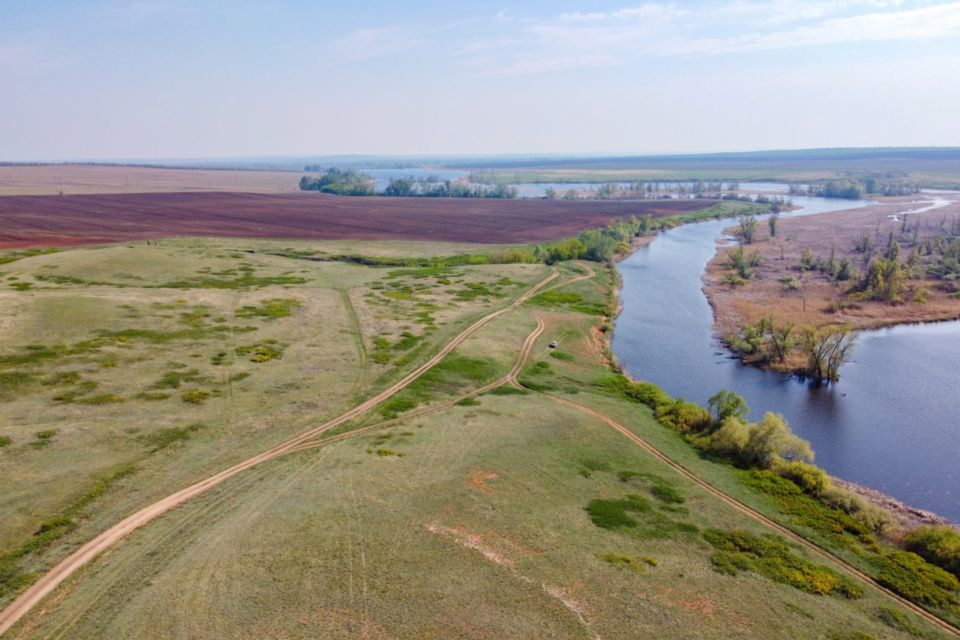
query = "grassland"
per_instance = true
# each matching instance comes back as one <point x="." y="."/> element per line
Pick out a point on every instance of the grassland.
<point x="507" y="516"/>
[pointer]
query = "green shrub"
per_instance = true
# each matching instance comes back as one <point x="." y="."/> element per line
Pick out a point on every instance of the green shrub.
<point x="270" y="309"/>
<point x="397" y="405"/>
<point x="468" y="402"/>
<point x="771" y="557"/>
<point x="917" y="580"/>
<point x="13" y="383"/>
<point x="619" y="560"/>
<point x="507" y="390"/>
<point x="683" y="416"/>
<point x="895" y="619"/>
<point x="667" y="494"/>
<point x="938" y="544"/>
<point x="729" y="440"/>
<point x="47" y="434"/>
<point x="644" y="392"/>
<point x="854" y="634"/>
<point x="5" y="441"/>
<point x="195" y="396"/>
<point x="152" y="395"/>
<point x="807" y="511"/>
<point x="103" y="398"/>
<point x="612" y="514"/>
<point x="871" y="516"/>
<point x="812" y="480"/>
<point x="561" y="355"/>
<point x="163" y="438"/>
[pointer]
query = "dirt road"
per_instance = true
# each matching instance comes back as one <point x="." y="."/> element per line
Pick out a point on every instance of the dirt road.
<point x="53" y="578"/>
<point x="756" y="515"/>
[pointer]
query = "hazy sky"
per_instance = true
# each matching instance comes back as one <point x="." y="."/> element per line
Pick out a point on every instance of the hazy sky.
<point x="215" y="78"/>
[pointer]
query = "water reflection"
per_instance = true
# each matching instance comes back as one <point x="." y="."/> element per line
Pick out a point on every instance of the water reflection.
<point x="893" y="422"/>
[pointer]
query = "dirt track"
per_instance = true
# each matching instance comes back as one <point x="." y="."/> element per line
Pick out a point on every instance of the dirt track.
<point x="34" y="221"/>
<point x="53" y="578"/>
<point x="756" y="515"/>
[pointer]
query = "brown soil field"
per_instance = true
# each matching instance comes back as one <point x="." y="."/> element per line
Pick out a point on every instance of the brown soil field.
<point x="41" y="221"/>
<point x="764" y="295"/>
<point x="71" y="179"/>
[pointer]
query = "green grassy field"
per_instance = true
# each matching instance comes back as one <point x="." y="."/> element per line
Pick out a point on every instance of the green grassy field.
<point x="508" y="516"/>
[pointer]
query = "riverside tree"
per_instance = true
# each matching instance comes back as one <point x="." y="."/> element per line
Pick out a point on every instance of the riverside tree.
<point x="827" y="350"/>
<point x="748" y="229"/>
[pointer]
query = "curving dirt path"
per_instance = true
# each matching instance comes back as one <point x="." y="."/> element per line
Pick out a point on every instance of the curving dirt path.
<point x="510" y="378"/>
<point x="756" y="515"/>
<point x="53" y="578"/>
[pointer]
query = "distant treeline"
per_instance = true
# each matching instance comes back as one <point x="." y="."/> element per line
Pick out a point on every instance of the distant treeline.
<point x="342" y="182"/>
<point x="349" y="182"/>
<point x="855" y="189"/>
<point x="427" y="188"/>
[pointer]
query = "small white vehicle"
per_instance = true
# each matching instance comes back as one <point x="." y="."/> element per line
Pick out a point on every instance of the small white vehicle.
<point x="553" y="345"/>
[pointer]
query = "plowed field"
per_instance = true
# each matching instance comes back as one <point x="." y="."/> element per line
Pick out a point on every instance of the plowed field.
<point x="32" y="221"/>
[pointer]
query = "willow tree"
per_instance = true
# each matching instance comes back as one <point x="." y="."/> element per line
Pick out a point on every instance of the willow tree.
<point x="827" y="350"/>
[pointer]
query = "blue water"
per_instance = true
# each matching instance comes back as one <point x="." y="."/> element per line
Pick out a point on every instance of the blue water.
<point x="891" y="423"/>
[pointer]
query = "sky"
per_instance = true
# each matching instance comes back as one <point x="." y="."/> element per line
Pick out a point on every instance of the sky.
<point x="121" y="79"/>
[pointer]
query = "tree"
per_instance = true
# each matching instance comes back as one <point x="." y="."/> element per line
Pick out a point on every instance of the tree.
<point x="645" y="225"/>
<point x="771" y="440"/>
<point x="884" y="280"/>
<point x="727" y="404"/>
<point x="550" y="193"/>
<point x="782" y="339"/>
<point x="772" y="222"/>
<point x="399" y="187"/>
<point x="571" y="194"/>
<point x="748" y="228"/>
<point x="827" y="350"/>
<point x="730" y="439"/>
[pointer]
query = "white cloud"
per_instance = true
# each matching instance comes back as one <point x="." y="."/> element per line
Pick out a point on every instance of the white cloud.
<point x="651" y="30"/>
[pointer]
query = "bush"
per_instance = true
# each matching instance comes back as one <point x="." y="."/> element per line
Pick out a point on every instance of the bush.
<point x="683" y="416"/>
<point x="895" y="619"/>
<point x="644" y="392"/>
<point x="195" y="396"/>
<point x="729" y="440"/>
<point x="5" y="441"/>
<point x="612" y="514"/>
<point x="507" y="390"/>
<point x="938" y="544"/>
<point x="771" y="440"/>
<point x="812" y="480"/>
<point x="667" y="494"/>
<point x="772" y="558"/>
<point x="807" y="510"/>
<point x="917" y="580"/>
<point x="871" y="516"/>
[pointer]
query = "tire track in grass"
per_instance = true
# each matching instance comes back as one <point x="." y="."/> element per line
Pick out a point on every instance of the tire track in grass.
<point x="90" y="550"/>
<point x="756" y="515"/>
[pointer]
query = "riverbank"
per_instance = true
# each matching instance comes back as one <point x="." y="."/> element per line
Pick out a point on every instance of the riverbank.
<point x="796" y="278"/>
<point x="901" y="513"/>
<point x="653" y="340"/>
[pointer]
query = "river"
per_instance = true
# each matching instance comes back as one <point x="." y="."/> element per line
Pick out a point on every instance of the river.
<point x="892" y="422"/>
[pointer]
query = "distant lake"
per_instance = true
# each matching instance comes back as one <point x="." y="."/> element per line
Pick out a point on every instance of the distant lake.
<point x="892" y="422"/>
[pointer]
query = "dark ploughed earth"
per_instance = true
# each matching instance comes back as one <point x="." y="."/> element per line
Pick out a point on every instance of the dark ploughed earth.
<point x="40" y="221"/>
